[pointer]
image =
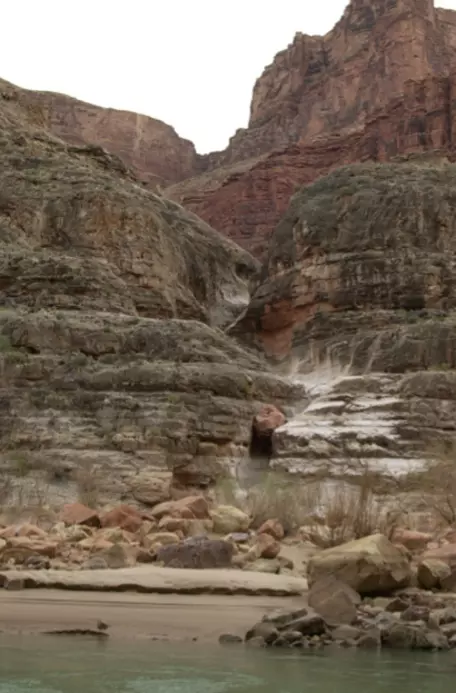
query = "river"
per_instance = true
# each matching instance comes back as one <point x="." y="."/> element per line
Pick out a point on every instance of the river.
<point x="67" y="664"/>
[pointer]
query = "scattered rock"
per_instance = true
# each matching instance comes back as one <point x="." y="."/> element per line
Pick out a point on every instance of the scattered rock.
<point x="78" y="514"/>
<point x="190" y="507"/>
<point x="119" y="556"/>
<point x="227" y="519"/>
<point x="161" y="539"/>
<point x="95" y="563"/>
<point x="124" y="517"/>
<point x="197" y="553"/>
<point x="413" y="541"/>
<point x="174" y="524"/>
<point x="274" y="528"/>
<point x="266" y="546"/>
<point x="263" y="565"/>
<point x="334" y="600"/>
<point x="229" y="639"/>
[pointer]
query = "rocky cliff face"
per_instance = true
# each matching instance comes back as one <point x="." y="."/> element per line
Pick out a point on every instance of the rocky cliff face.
<point x="378" y="85"/>
<point x="151" y="148"/>
<point x="358" y="298"/>
<point x="112" y="363"/>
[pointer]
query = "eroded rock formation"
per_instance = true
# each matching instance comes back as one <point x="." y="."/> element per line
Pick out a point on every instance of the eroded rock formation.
<point x="360" y="281"/>
<point x="112" y="361"/>
<point x="379" y="84"/>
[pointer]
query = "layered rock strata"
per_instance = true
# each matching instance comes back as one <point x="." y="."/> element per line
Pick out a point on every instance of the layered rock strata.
<point x="113" y="363"/>
<point x="360" y="282"/>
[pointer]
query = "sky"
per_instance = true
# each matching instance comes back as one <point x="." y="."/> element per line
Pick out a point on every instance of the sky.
<point x="191" y="63"/>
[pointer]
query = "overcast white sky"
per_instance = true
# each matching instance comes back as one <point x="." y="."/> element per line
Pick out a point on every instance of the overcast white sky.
<point x="191" y="63"/>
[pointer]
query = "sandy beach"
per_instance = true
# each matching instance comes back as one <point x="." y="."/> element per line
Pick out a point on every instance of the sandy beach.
<point x="173" y="616"/>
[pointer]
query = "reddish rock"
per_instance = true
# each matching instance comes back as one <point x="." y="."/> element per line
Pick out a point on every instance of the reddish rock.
<point x="413" y="541"/>
<point x="378" y="85"/>
<point x="326" y="101"/>
<point x="267" y="420"/>
<point x="123" y="516"/>
<point x="173" y="524"/>
<point x="79" y="514"/>
<point x="267" y="547"/>
<point x="196" y="505"/>
<point x="274" y="528"/>
<point x="150" y="147"/>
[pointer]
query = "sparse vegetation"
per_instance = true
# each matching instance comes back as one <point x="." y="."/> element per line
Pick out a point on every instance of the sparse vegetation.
<point x="330" y="512"/>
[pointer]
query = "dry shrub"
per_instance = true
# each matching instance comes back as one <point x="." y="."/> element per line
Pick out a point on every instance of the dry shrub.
<point x="437" y="485"/>
<point x="87" y="478"/>
<point x="332" y="512"/>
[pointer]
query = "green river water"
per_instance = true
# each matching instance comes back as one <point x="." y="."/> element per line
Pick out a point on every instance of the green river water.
<point x="71" y="665"/>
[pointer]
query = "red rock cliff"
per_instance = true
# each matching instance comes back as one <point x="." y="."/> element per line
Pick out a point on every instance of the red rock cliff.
<point x="151" y="148"/>
<point x="379" y="84"/>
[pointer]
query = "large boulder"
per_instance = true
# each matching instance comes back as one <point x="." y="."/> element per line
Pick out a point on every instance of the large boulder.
<point x="371" y="565"/>
<point x="228" y="519"/>
<point x="197" y="553"/>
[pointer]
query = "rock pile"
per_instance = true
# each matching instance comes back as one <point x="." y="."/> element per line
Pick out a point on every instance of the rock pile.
<point x="412" y="620"/>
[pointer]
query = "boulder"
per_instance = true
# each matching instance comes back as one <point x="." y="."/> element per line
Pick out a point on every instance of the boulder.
<point x="267" y="420"/>
<point x="413" y="541"/>
<point x="431" y="572"/>
<point x="228" y="519"/>
<point x="150" y="490"/>
<point x="79" y="514"/>
<point x="151" y="541"/>
<point x="123" y="516"/>
<point x="266" y="546"/>
<point x="174" y="524"/>
<point x="197" y="553"/>
<point x="274" y="528"/>
<point x="334" y="600"/>
<point x="119" y="556"/>
<point x="371" y="565"/>
<point x="190" y="508"/>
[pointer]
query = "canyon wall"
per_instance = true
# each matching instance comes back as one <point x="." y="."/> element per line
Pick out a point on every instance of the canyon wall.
<point x="379" y="84"/>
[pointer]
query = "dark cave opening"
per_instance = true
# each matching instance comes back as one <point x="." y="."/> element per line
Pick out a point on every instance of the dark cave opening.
<point x="260" y="445"/>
